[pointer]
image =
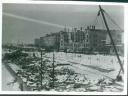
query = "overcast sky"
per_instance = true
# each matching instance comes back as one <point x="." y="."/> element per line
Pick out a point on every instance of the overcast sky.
<point x="25" y="22"/>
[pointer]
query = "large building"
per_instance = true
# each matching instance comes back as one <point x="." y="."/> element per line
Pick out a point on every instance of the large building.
<point x="82" y="40"/>
<point x="50" y="41"/>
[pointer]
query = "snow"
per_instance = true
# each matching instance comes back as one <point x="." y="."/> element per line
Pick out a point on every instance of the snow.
<point x="14" y="67"/>
<point x="101" y="62"/>
<point x="7" y="78"/>
<point x="87" y="71"/>
<point x="108" y="64"/>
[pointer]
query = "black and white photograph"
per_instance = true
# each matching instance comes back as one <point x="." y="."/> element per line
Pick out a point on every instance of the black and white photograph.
<point x="62" y="47"/>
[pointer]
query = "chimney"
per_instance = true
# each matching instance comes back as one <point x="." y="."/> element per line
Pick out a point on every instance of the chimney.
<point x="87" y="27"/>
<point x="80" y="28"/>
<point x="75" y="29"/>
<point x="94" y="27"/>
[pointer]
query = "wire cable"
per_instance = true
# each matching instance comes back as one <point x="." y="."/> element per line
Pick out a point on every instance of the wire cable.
<point x="114" y="22"/>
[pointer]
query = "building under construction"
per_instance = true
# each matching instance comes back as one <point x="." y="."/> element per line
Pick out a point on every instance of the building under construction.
<point x="82" y="40"/>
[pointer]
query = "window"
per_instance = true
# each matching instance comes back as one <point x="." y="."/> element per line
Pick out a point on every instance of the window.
<point x="87" y="45"/>
<point x="84" y="45"/>
<point x="87" y="36"/>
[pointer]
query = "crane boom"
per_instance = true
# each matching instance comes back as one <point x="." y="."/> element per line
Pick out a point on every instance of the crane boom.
<point x="112" y="41"/>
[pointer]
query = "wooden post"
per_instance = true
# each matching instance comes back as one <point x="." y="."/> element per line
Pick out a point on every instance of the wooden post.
<point x="41" y="70"/>
<point x="53" y="69"/>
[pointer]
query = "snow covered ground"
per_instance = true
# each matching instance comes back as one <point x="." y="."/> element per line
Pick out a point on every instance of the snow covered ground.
<point x="95" y="64"/>
<point x="7" y="80"/>
<point x="87" y="71"/>
<point x="93" y="67"/>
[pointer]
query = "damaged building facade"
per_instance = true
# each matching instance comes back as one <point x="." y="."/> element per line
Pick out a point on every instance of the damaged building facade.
<point x="82" y="40"/>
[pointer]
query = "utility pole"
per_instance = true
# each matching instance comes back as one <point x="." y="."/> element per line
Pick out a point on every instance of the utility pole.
<point x="112" y="41"/>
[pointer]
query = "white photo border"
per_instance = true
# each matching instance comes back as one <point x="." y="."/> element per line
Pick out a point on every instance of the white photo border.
<point x="70" y="3"/>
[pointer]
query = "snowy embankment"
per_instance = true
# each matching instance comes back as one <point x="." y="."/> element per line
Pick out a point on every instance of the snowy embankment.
<point x="7" y="81"/>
